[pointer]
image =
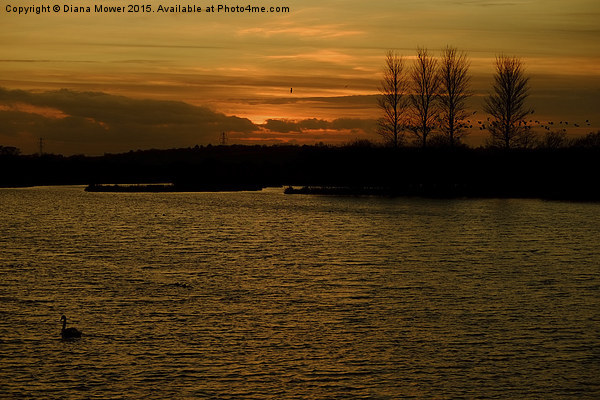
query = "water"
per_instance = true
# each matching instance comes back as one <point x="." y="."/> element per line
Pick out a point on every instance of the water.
<point x="268" y="296"/>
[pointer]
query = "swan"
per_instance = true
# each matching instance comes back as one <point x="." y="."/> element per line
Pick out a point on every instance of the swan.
<point x="68" y="333"/>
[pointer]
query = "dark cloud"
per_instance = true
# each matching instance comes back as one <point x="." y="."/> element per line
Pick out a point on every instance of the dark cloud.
<point x="354" y="125"/>
<point x="105" y="122"/>
<point x="280" y="125"/>
<point x="94" y="123"/>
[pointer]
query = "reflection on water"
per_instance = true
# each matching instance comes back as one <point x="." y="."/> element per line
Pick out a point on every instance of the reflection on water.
<point x="262" y="295"/>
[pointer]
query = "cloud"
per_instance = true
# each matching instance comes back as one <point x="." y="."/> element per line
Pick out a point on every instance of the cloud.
<point x="94" y="123"/>
<point x="345" y="102"/>
<point x="313" y="31"/>
<point x="480" y="3"/>
<point x="100" y="122"/>
<point x="281" y="125"/>
<point x="354" y="125"/>
<point x="324" y="56"/>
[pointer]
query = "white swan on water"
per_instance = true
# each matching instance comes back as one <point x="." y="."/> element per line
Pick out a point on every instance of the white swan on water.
<point x="68" y="333"/>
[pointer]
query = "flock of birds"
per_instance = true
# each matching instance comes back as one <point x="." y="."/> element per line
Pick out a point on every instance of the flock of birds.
<point x="548" y="125"/>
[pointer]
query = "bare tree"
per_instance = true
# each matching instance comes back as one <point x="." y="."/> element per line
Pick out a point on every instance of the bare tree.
<point x="554" y="140"/>
<point x="393" y="99"/>
<point x="9" y="151"/>
<point x="453" y="93"/>
<point x="506" y="105"/>
<point x="425" y="83"/>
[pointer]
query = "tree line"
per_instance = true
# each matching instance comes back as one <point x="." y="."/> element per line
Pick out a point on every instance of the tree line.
<point x="429" y="100"/>
<point x="461" y="172"/>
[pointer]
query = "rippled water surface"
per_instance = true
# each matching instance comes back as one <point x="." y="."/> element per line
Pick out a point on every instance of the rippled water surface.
<point x="268" y="296"/>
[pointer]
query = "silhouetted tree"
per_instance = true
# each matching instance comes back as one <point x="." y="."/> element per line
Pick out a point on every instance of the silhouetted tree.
<point x="554" y="140"/>
<point x="453" y="93"/>
<point x="506" y="105"/>
<point x="591" y="140"/>
<point x="393" y="99"/>
<point x="425" y="83"/>
<point x="361" y="143"/>
<point x="9" y="151"/>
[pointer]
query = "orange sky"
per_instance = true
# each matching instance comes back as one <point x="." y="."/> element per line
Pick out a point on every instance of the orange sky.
<point x="134" y="80"/>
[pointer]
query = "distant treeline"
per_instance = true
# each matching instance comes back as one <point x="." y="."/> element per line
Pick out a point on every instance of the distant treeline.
<point x="362" y="168"/>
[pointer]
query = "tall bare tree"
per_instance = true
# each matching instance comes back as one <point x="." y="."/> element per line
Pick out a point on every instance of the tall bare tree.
<point x="425" y="82"/>
<point x="506" y="105"/>
<point x="453" y="93"/>
<point x="393" y="99"/>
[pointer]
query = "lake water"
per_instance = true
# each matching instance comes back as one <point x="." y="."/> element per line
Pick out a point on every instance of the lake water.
<point x="269" y="296"/>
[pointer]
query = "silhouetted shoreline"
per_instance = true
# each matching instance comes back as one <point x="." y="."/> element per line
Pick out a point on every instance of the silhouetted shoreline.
<point x="441" y="191"/>
<point x="566" y="173"/>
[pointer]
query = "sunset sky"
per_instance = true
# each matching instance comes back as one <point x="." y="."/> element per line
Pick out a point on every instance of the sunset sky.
<point x="95" y="83"/>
